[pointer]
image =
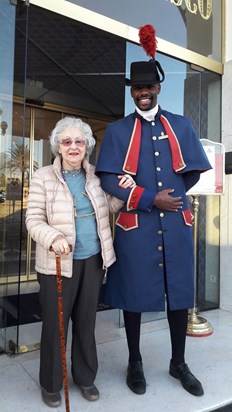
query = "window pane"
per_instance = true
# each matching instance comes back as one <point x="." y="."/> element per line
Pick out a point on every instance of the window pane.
<point x="195" y="25"/>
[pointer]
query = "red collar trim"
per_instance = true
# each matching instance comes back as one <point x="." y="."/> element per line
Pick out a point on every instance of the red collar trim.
<point x="178" y="163"/>
<point x="132" y="156"/>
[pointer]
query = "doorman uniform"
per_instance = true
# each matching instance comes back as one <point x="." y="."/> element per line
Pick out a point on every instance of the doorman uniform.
<point x="153" y="236"/>
<point x="147" y="240"/>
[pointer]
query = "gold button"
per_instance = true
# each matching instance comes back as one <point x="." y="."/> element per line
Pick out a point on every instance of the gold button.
<point x="128" y="168"/>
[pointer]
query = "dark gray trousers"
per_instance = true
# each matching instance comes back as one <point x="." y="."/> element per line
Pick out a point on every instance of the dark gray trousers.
<point x="80" y="299"/>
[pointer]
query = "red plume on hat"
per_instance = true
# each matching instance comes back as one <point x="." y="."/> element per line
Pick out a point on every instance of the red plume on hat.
<point x="146" y="72"/>
<point x="148" y="40"/>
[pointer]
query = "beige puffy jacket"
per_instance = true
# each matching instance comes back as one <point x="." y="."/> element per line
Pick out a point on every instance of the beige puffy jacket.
<point x="50" y="214"/>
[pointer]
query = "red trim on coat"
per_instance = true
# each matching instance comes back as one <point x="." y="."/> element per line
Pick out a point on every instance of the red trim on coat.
<point x="132" y="156"/>
<point x="127" y="221"/>
<point x="134" y="197"/>
<point x="188" y="217"/>
<point x="178" y="163"/>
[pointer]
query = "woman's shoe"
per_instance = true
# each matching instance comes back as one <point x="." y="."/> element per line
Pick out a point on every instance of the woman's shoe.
<point x="91" y="393"/>
<point x="51" y="399"/>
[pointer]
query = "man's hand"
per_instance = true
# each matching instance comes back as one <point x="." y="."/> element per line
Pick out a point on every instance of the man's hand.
<point x="166" y="202"/>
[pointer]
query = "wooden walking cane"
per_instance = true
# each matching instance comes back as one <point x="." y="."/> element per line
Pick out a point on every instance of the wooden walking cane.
<point x="61" y="325"/>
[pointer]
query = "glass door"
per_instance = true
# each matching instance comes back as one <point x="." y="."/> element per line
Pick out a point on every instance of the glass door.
<point x="42" y="123"/>
<point x="26" y="151"/>
<point x="34" y="154"/>
<point x="26" y="155"/>
<point x="10" y="177"/>
<point x="53" y="74"/>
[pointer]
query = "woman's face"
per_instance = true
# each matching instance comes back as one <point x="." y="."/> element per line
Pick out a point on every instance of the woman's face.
<point x="72" y="147"/>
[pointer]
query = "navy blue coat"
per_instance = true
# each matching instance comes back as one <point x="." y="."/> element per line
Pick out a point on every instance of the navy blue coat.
<point x="154" y="248"/>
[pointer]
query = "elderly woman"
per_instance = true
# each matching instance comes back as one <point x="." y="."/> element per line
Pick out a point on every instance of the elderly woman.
<point x="66" y="206"/>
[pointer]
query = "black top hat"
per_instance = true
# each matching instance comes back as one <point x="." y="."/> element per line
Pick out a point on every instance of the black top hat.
<point x="146" y="72"/>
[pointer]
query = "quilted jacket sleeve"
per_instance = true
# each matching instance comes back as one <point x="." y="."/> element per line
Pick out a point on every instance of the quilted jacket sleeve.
<point x="36" y="214"/>
<point x="114" y="203"/>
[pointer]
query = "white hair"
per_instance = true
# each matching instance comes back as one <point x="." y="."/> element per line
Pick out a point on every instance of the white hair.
<point x="63" y="124"/>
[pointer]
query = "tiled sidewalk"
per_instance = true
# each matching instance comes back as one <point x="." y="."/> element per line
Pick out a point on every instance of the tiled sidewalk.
<point x="210" y="359"/>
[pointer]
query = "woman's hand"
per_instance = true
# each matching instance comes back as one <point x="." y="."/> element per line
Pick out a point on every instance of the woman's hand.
<point x="60" y="246"/>
<point x="126" y="181"/>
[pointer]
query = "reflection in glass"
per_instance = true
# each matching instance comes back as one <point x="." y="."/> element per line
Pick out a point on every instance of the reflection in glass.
<point x="195" y="25"/>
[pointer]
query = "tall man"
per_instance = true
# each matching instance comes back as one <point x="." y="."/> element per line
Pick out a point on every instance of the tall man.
<point x="153" y="236"/>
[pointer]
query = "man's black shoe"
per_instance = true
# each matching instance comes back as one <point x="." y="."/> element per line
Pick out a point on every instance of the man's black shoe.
<point x="135" y="378"/>
<point x="189" y="382"/>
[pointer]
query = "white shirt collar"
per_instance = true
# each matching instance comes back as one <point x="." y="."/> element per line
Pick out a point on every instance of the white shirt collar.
<point x="148" y="115"/>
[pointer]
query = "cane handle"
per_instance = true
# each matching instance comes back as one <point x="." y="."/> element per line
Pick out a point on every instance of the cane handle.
<point x="51" y="249"/>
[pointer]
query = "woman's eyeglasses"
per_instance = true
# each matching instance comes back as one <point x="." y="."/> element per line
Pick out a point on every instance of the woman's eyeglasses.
<point x="69" y="142"/>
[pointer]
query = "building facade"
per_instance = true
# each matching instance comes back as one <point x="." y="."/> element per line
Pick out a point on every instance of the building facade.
<point x="226" y="212"/>
<point x="71" y="57"/>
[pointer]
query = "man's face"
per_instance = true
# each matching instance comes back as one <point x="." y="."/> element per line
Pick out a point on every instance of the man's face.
<point x="145" y="95"/>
